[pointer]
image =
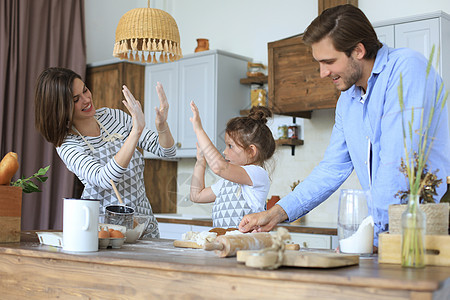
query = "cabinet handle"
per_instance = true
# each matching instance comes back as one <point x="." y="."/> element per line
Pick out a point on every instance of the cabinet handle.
<point x="178" y="145"/>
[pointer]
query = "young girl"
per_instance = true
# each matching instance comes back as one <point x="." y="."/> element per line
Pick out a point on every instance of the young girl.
<point x="245" y="184"/>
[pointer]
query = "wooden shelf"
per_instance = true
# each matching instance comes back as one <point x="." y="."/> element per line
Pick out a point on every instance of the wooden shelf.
<point x="254" y="80"/>
<point x="304" y="114"/>
<point x="289" y="142"/>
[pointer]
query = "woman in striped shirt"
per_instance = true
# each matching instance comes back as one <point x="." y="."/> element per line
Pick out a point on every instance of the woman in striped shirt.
<point x="100" y="145"/>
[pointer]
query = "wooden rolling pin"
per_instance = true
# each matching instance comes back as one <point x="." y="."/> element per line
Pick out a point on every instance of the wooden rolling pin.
<point x="229" y="245"/>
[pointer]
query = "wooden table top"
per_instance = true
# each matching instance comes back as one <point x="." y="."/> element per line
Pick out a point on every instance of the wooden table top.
<point x="160" y="255"/>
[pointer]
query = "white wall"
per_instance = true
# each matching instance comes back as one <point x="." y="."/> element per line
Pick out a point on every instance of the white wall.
<point x="245" y="27"/>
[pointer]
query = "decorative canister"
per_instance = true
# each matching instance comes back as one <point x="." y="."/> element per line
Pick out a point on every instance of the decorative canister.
<point x="202" y="45"/>
<point x="293" y="132"/>
<point x="258" y="95"/>
<point x="282" y="132"/>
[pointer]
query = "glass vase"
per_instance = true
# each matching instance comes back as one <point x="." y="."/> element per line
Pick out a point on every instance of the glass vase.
<point x="413" y="234"/>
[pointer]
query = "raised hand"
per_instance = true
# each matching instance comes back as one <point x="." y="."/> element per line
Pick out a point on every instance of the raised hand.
<point x="195" y="119"/>
<point x="163" y="110"/>
<point x="135" y="109"/>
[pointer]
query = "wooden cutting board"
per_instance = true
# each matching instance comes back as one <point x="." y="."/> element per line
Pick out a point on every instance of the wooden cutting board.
<point x="297" y="259"/>
<point x="194" y="245"/>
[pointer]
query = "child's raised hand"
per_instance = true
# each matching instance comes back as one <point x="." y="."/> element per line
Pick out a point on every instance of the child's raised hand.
<point x="195" y="119"/>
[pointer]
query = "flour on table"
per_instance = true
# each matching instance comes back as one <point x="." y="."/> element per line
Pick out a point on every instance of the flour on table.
<point x="199" y="237"/>
<point x="233" y="232"/>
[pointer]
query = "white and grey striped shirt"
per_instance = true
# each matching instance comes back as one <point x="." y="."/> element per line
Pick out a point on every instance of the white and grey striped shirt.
<point x="95" y="165"/>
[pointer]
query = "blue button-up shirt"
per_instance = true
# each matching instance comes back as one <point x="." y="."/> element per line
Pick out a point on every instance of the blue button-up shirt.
<point x="376" y="120"/>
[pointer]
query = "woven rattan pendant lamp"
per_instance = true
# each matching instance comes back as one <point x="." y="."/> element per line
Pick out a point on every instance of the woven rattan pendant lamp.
<point x="147" y="35"/>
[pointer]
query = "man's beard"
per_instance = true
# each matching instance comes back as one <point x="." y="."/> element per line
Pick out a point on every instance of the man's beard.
<point x="355" y="73"/>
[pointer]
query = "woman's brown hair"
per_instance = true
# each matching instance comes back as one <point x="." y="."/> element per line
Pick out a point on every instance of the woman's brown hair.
<point x="347" y="26"/>
<point x="252" y="129"/>
<point x="54" y="104"/>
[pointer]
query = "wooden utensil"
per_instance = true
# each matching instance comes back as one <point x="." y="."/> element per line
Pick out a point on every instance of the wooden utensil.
<point x="228" y="245"/>
<point x="116" y="191"/>
<point x="303" y="259"/>
<point x="212" y="246"/>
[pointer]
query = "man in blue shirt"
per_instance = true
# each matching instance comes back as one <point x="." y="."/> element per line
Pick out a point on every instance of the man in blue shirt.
<point x="367" y="135"/>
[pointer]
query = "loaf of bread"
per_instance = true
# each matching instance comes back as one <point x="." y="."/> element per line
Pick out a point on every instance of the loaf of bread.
<point x="8" y="167"/>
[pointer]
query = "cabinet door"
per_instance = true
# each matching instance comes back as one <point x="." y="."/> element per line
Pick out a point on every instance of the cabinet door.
<point x="419" y="35"/>
<point x="295" y="86"/>
<point x="317" y="241"/>
<point x="105" y="83"/>
<point x="173" y="231"/>
<point x="386" y="35"/>
<point x="167" y="75"/>
<point x="196" y="83"/>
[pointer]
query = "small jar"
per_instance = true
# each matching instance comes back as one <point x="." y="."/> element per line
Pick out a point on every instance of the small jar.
<point x="258" y="95"/>
<point x="282" y="132"/>
<point x="255" y="69"/>
<point x="293" y="132"/>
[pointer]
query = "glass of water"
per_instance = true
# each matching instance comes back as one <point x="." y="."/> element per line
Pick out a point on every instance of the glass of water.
<point x="355" y="223"/>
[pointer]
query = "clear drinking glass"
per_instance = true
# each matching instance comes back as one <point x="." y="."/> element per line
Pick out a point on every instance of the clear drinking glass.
<point x="355" y="223"/>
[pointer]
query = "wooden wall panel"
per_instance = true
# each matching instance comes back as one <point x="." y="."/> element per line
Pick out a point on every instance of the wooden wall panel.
<point x="161" y="185"/>
<point x="324" y="4"/>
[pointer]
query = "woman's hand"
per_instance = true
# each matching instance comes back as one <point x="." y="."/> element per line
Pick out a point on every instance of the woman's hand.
<point x="163" y="110"/>
<point x="195" y="119"/>
<point x="165" y="136"/>
<point x="135" y="109"/>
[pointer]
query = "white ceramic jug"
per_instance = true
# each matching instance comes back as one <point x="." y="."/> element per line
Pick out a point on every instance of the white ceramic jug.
<point x="80" y="225"/>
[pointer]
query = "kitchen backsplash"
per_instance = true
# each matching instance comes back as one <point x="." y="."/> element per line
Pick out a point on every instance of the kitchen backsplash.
<point x="316" y="133"/>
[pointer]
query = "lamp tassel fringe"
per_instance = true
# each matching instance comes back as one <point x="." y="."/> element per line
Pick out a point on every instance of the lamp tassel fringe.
<point x="153" y="50"/>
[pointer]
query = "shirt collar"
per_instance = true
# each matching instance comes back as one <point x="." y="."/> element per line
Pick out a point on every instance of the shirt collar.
<point x="380" y="62"/>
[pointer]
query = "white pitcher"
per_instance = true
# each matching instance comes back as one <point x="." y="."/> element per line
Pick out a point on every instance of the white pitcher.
<point x="80" y="225"/>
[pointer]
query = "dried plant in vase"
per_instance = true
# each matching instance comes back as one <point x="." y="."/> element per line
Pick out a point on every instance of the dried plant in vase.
<point x="429" y="181"/>
<point x="294" y="184"/>
<point x="417" y="144"/>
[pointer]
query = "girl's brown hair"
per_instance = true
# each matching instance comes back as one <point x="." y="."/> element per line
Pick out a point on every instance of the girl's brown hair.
<point x="252" y="129"/>
<point x="347" y="26"/>
<point x="53" y="104"/>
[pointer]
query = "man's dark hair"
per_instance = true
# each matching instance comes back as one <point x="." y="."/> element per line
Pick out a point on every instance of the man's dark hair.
<point x="347" y="26"/>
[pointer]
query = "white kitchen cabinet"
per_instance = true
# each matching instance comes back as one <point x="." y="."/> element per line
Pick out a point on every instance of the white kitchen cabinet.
<point x="316" y="241"/>
<point x="211" y="80"/>
<point x="174" y="231"/>
<point x="420" y="33"/>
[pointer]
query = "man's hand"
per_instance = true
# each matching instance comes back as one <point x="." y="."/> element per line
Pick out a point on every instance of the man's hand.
<point x="263" y="221"/>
